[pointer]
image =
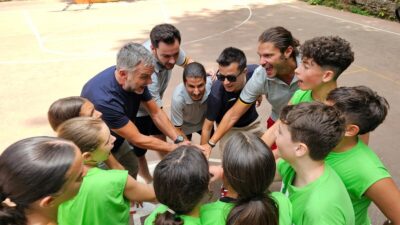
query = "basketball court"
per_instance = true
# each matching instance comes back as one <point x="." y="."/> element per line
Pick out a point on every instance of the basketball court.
<point x="47" y="53"/>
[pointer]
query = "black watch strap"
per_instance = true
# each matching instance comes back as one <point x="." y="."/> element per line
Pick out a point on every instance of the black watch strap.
<point x="179" y="139"/>
<point x="212" y="144"/>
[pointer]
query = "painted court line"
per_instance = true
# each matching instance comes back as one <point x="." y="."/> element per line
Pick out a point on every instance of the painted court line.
<point x="225" y="31"/>
<point x="396" y="82"/>
<point x="40" y="41"/>
<point x="90" y="56"/>
<point x="344" y="20"/>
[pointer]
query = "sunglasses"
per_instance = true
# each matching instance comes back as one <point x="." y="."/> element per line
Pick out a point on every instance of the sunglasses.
<point x="230" y="78"/>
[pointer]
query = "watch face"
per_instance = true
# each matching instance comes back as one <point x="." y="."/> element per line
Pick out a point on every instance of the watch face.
<point x="179" y="139"/>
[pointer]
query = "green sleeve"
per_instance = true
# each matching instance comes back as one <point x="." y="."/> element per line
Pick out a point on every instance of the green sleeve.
<point x="284" y="207"/>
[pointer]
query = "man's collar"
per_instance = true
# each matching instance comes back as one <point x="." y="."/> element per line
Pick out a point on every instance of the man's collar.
<point x="158" y="68"/>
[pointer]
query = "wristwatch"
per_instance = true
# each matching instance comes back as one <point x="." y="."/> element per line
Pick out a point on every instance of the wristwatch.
<point x="179" y="139"/>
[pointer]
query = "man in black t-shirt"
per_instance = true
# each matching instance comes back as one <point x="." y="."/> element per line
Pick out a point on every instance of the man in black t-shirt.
<point x="232" y="76"/>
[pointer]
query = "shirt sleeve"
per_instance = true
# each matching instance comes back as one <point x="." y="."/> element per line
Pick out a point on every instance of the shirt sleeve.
<point x="286" y="172"/>
<point x="282" y="167"/>
<point x="324" y="215"/>
<point x="182" y="59"/>
<point x="214" y="101"/>
<point x="368" y="176"/>
<point x="154" y="89"/>
<point x="177" y="104"/>
<point x="146" y="96"/>
<point x="119" y="178"/>
<point x="254" y="86"/>
<point x="113" y="114"/>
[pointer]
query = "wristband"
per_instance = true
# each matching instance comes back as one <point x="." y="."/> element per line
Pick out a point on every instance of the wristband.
<point x="212" y="144"/>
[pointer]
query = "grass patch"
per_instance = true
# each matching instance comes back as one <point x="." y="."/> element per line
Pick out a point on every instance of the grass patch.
<point x="359" y="10"/>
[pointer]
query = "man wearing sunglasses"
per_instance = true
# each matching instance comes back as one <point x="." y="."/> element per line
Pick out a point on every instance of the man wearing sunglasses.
<point x="274" y="78"/>
<point x="164" y="44"/>
<point x="232" y="76"/>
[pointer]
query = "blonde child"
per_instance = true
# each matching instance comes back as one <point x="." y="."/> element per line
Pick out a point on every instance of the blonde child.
<point x="105" y="194"/>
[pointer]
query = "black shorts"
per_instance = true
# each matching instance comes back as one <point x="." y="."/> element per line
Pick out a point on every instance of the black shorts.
<point x="147" y="127"/>
<point x="189" y="136"/>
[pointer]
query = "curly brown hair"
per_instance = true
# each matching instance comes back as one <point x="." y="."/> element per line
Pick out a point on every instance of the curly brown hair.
<point x="329" y="52"/>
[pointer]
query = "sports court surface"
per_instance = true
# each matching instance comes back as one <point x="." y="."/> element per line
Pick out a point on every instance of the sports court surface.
<point x="47" y="53"/>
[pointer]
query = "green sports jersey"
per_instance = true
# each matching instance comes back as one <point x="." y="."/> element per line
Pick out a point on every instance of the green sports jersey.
<point x="301" y="96"/>
<point x="187" y="220"/>
<point x="359" y="168"/>
<point x="217" y="212"/>
<point x="100" y="200"/>
<point x="323" y="201"/>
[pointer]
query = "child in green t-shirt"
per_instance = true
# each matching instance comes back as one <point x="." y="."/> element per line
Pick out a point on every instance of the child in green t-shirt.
<point x="181" y="185"/>
<point x="37" y="174"/>
<point x="249" y="169"/>
<point x="67" y="108"/>
<point x="104" y="194"/>
<point x="323" y="61"/>
<point x="304" y="138"/>
<point x="365" y="177"/>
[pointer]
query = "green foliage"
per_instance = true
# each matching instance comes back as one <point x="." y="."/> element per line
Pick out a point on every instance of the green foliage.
<point x="351" y="6"/>
<point x="315" y="2"/>
<point x="358" y="10"/>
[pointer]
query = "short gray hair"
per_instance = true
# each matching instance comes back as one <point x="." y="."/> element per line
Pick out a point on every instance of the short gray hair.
<point x="132" y="54"/>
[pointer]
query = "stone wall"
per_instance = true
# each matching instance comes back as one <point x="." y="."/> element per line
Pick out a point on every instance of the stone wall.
<point x="376" y="5"/>
<point x="380" y="8"/>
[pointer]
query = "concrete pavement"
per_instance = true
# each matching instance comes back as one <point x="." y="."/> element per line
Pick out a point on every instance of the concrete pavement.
<point x="47" y="53"/>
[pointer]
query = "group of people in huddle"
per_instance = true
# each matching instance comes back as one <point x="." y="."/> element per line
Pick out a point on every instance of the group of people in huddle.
<point x="315" y="141"/>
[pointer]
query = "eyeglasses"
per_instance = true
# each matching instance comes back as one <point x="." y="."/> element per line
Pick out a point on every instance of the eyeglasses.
<point x="230" y="78"/>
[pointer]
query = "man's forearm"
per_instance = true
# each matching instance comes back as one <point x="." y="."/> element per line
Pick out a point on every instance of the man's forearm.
<point x="132" y="135"/>
<point x="149" y="142"/>
<point x="269" y="136"/>
<point x="179" y="131"/>
<point x="161" y="120"/>
<point x="206" y="131"/>
<point x="227" y="122"/>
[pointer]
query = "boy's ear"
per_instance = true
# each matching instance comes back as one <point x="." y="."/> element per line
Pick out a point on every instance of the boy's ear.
<point x="301" y="150"/>
<point x="46" y="202"/>
<point x="87" y="156"/>
<point x="288" y="52"/>
<point x="328" y="75"/>
<point x="351" y="130"/>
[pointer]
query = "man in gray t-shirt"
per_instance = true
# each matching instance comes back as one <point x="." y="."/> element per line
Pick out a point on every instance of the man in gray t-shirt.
<point x="274" y="78"/>
<point x="164" y="43"/>
<point x="189" y="100"/>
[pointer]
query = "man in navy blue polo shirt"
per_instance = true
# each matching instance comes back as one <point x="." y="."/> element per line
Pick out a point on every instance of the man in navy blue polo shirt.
<point x="117" y="93"/>
<point x="232" y="76"/>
